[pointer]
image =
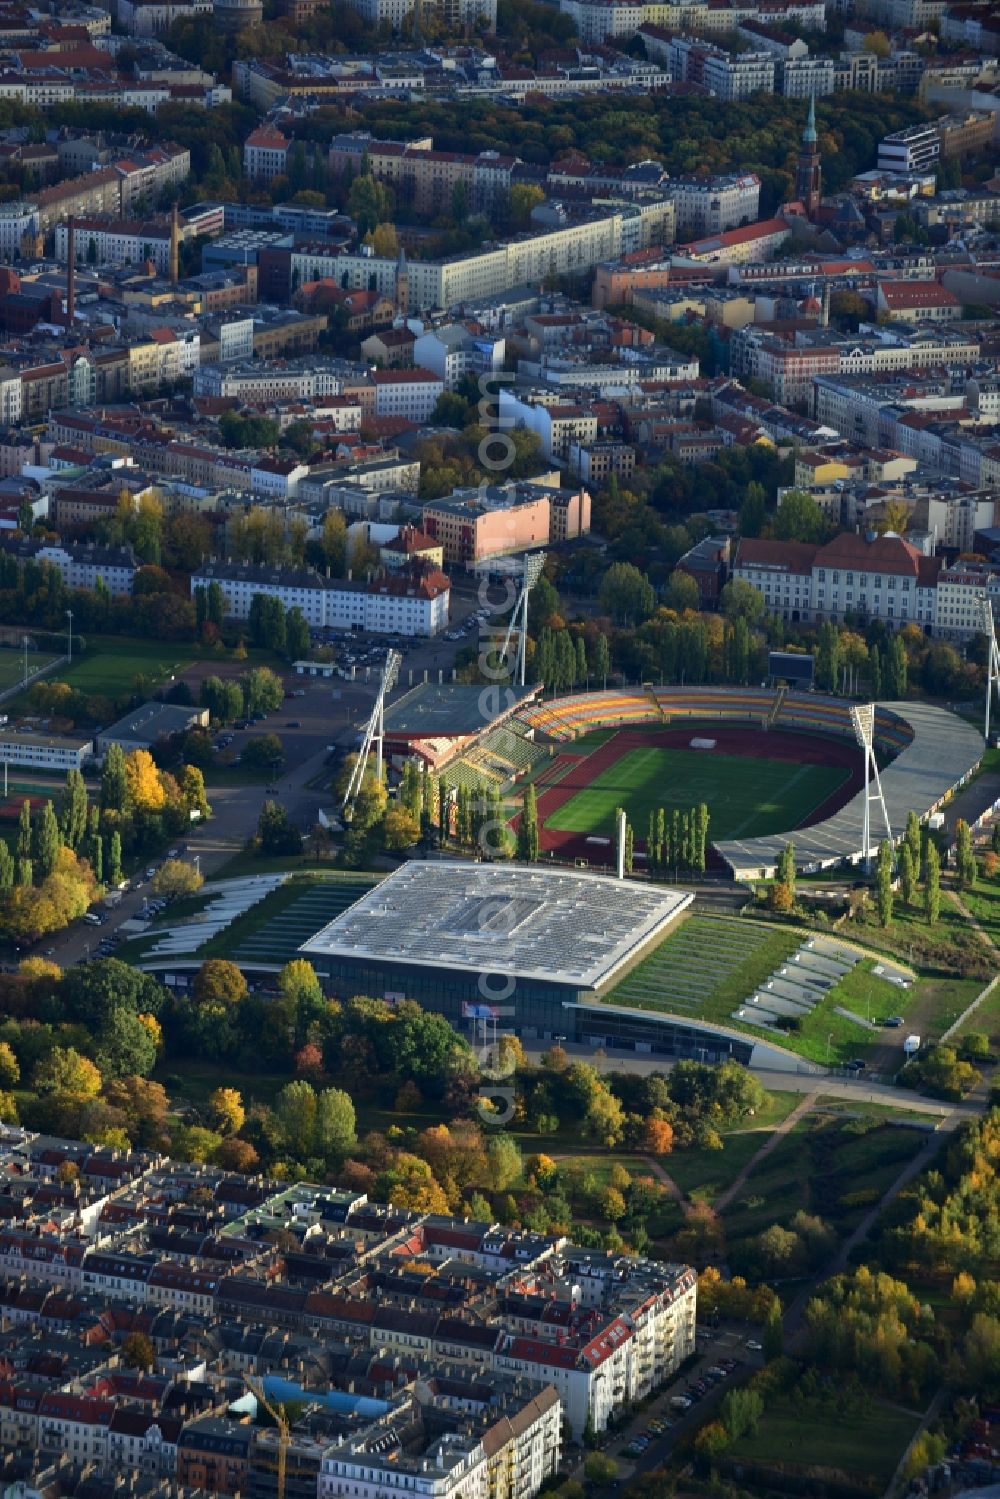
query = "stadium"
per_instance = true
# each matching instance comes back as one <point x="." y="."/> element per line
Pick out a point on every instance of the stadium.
<point x="770" y="764"/>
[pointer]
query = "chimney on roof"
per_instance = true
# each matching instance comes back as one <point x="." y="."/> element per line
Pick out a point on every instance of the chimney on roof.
<point x="70" y="271"/>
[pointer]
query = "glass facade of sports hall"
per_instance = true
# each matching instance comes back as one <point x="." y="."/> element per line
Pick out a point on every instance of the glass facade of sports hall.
<point x="534" y="1010"/>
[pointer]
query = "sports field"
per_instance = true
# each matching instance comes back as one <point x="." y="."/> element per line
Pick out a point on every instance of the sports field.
<point x="746" y="797"/>
<point x="12" y="666"/>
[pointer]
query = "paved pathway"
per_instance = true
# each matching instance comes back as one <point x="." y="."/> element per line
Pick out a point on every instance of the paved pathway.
<point x="788" y="1123"/>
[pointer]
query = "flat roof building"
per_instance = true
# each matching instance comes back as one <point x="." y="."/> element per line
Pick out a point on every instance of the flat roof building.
<point x="145" y="725"/>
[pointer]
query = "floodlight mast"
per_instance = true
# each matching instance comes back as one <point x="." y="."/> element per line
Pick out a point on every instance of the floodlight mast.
<point x="374" y="734"/>
<point x="992" y="659"/>
<point x="863" y="721"/>
<point x="531" y="572"/>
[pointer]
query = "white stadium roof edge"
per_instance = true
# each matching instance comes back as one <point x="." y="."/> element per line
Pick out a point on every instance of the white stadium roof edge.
<point x="942" y="754"/>
<point x="554" y="926"/>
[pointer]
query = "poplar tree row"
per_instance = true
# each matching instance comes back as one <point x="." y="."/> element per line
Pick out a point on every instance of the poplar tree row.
<point x="678" y="840"/>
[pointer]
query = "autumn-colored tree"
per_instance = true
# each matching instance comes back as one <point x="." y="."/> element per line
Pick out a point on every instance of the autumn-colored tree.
<point x="219" y="982"/>
<point x="64" y="1070"/>
<point x="142" y="779"/>
<point x="781" y="898"/>
<point x="10" y="1069"/>
<point x="399" y="829"/>
<point x="138" y="1351"/>
<point x="235" y="1154"/>
<point x="227" y="1111"/>
<point x="657" y="1134"/>
<point x="154" y="1028"/>
<point x="309" y="1063"/>
<point x="176" y="878"/>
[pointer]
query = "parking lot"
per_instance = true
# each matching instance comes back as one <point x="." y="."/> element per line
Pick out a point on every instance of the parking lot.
<point x="647" y="1440"/>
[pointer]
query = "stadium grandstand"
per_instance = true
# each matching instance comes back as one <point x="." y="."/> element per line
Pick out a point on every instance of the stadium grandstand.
<point x="498" y="738"/>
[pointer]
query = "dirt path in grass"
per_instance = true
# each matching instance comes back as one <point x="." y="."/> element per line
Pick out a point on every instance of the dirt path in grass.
<point x="778" y="1133"/>
<point x="960" y="906"/>
<point x="684" y="1203"/>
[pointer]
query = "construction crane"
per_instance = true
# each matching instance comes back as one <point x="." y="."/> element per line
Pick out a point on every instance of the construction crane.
<point x="277" y="1415"/>
<point x="373" y="734"/>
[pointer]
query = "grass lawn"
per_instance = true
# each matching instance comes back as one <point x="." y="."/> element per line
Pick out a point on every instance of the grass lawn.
<point x="703" y="1175"/>
<point x="985" y="1018"/>
<point x="746" y="798"/>
<point x="867" y="1445"/>
<point x="821" y="1160"/>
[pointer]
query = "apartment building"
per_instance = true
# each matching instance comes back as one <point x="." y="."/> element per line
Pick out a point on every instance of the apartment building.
<point x="711" y="205"/>
<point x="81" y="565"/>
<point x="475" y="524"/>
<point x="422" y="177"/>
<point x="413" y="603"/>
<point x="738" y="246"/>
<point x="918" y="302"/>
<point x="807" y="77"/>
<point x="739" y="75"/>
<point x="408" y="393"/>
<point x="559" y="425"/>
<point x="915" y="149"/>
<point x="453" y="351"/>
<point x="850" y="578"/>
<point x="117" y="242"/>
<point x="265" y="153"/>
<point x="576" y="246"/>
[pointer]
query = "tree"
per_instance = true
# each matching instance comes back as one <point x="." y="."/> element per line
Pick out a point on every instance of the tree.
<point x="965" y="859"/>
<point x="741" y="1411"/>
<point x="175" y="878"/>
<point x="907" y="874"/>
<point x="10" y="1070"/>
<point x="64" y="1070"/>
<point x="400" y="829"/>
<point x="524" y="196"/>
<point x="932" y="885"/>
<point x="115" y="859"/>
<point x="504" y="1156"/>
<point x="192" y="788"/>
<point x="142" y="778"/>
<point x="46" y="842"/>
<point x="138" y="1351"/>
<point x="602" y="659"/>
<point x="740" y="600"/>
<point x="599" y="1469"/>
<point x="897" y="669"/>
<point x="912" y="838"/>
<point x="627" y="594"/>
<point x="126" y="1046"/>
<point x="681" y="591"/>
<point x="774" y="1333"/>
<point x="657" y="1134"/>
<point x="297" y="639"/>
<point x="6" y="868"/>
<point x="219" y="983"/>
<point x="263" y="752"/>
<point x="883" y="883"/>
<point x="263" y="691"/>
<point x="24" y="838"/>
<point x="93" y="992"/>
<point x="295" y="1114"/>
<point x="227" y="1111"/>
<point x="798" y="517"/>
<point x="786" y="868"/>
<point x="73" y="809"/>
<point x="336" y="1124"/>
<point x="114" y="783"/>
<point x="527" y="829"/>
<point x="276" y="835"/>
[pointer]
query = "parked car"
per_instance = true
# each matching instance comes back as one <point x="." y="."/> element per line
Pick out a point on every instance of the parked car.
<point x="754" y="1346"/>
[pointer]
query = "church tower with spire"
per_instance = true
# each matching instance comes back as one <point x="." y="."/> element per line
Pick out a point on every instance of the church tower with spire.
<point x="808" y="175"/>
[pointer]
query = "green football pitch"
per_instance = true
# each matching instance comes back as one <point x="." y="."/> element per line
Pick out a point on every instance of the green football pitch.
<point x="746" y="798"/>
